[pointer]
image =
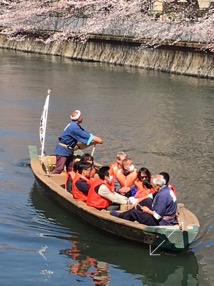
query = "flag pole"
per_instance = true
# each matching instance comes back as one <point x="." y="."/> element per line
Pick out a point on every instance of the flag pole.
<point x="43" y="124"/>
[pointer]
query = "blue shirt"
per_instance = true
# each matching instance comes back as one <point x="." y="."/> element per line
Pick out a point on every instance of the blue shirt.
<point x="165" y="204"/>
<point x="72" y="134"/>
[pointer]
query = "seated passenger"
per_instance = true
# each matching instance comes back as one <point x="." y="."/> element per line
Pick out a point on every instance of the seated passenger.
<point x="101" y="195"/>
<point x="89" y="158"/>
<point x="143" y="192"/>
<point x="70" y="176"/>
<point x="142" y="189"/>
<point x="82" y="181"/>
<point x="163" y="210"/>
<point x="114" y="167"/>
<point x="125" y="178"/>
<point x="167" y="178"/>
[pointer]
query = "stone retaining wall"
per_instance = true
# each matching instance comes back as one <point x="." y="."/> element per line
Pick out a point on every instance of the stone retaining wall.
<point x="182" y="58"/>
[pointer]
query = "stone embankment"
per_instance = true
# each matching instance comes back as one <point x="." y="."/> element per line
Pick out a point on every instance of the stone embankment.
<point x="180" y="58"/>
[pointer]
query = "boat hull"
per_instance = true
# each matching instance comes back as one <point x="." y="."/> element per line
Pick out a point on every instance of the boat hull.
<point x="172" y="238"/>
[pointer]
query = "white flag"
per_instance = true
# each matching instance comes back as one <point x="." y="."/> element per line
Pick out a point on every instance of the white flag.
<point x="43" y="123"/>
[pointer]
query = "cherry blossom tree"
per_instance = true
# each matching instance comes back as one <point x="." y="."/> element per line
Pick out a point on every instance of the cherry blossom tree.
<point x="52" y="20"/>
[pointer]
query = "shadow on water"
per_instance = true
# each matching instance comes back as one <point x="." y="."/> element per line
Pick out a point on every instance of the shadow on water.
<point x="22" y="163"/>
<point x="93" y="254"/>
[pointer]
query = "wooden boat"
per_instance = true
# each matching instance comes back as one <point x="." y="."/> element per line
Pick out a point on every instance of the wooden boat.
<point x="175" y="238"/>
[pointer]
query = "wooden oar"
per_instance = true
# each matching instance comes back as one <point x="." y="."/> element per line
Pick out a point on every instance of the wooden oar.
<point x="93" y="150"/>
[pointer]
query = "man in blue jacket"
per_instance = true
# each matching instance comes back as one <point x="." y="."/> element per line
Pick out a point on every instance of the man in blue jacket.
<point x="72" y="134"/>
<point x="164" y="207"/>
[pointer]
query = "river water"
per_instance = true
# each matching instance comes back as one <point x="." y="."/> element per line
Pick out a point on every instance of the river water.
<point x="164" y="122"/>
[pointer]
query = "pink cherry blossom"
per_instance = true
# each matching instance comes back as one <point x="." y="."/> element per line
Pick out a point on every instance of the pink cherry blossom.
<point x="78" y="19"/>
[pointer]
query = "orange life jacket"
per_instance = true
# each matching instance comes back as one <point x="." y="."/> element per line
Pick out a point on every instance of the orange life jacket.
<point x="173" y="189"/>
<point x="68" y="180"/>
<point x="141" y="190"/>
<point x="126" y="181"/>
<point x="78" y="195"/>
<point x="94" y="199"/>
<point x="83" y="267"/>
<point x="114" y="167"/>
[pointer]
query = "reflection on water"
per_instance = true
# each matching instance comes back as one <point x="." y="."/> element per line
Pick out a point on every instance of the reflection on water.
<point x="95" y="258"/>
<point x="84" y="265"/>
<point x="165" y="270"/>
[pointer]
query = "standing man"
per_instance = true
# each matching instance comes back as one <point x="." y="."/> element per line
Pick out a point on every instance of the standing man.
<point x="72" y="134"/>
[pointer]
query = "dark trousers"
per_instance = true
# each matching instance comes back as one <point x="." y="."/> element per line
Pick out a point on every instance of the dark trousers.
<point x="146" y="203"/>
<point x="113" y="207"/>
<point x="62" y="162"/>
<point x="139" y="215"/>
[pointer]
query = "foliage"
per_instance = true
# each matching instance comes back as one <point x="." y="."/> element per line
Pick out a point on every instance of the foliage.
<point x="78" y="19"/>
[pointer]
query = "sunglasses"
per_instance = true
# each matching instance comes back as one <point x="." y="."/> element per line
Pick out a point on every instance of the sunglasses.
<point x="143" y="177"/>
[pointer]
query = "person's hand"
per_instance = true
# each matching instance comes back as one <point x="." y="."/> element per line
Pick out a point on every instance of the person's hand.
<point x="98" y="140"/>
<point x="146" y="209"/>
<point x="135" y="205"/>
<point x="122" y="191"/>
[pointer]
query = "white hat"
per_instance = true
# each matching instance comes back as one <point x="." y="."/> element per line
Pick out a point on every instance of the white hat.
<point x="77" y="116"/>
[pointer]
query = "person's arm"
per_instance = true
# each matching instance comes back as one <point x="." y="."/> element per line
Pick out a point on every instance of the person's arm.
<point x="92" y="140"/>
<point x="139" y="200"/>
<point x="151" y="212"/>
<point x="113" y="197"/>
<point x="159" y="207"/>
<point x="83" y="136"/>
<point x="149" y="196"/>
<point x="126" y="190"/>
<point x="117" y="185"/>
<point x="147" y="210"/>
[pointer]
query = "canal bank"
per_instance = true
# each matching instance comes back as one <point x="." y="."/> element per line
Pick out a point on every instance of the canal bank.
<point x="181" y="58"/>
